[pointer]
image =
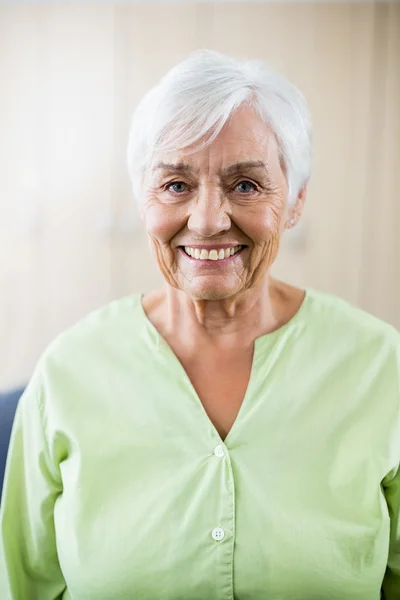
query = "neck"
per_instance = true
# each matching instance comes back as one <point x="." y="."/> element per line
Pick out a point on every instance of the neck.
<point x="223" y="324"/>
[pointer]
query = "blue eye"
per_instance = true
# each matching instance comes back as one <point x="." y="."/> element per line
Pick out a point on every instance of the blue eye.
<point x="177" y="187"/>
<point x="244" y="187"/>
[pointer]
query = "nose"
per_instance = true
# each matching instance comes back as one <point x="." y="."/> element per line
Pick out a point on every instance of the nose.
<point x="209" y="214"/>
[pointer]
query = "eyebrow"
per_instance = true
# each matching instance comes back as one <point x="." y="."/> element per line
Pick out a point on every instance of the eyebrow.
<point x="174" y="168"/>
<point x="242" y="166"/>
<point x="231" y="170"/>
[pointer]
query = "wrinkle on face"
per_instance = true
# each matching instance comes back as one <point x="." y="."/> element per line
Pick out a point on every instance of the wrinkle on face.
<point x="212" y="212"/>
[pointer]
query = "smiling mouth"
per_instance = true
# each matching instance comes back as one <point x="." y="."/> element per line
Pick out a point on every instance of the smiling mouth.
<point x="213" y="254"/>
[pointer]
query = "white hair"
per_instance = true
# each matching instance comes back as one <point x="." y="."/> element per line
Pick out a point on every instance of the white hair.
<point x="193" y="101"/>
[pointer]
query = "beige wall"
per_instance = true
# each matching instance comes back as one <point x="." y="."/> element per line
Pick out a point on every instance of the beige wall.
<point x="70" y="77"/>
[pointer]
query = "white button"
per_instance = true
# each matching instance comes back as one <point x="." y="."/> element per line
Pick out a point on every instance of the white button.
<point x="219" y="451"/>
<point x="218" y="534"/>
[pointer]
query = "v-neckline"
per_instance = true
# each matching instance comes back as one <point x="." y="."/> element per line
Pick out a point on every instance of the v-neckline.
<point x="261" y="343"/>
<point x="208" y="421"/>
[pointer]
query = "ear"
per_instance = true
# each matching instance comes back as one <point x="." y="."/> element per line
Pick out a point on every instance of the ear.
<point x="296" y="211"/>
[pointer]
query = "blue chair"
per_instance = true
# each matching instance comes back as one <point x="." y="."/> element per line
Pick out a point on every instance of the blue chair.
<point x="8" y="405"/>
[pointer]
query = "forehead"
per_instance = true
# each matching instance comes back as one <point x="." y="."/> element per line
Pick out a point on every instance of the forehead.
<point x="244" y="138"/>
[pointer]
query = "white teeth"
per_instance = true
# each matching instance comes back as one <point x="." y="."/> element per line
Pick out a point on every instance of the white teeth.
<point x="204" y="254"/>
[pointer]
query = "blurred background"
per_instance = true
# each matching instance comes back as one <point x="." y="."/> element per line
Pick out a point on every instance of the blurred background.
<point x="71" y="75"/>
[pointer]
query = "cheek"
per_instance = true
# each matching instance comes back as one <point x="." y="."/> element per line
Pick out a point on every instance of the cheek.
<point x="269" y="225"/>
<point x="264" y="224"/>
<point x="162" y="222"/>
<point x="265" y="234"/>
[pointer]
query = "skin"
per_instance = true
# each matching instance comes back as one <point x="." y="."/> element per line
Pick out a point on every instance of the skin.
<point x="202" y="198"/>
<point x="207" y="205"/>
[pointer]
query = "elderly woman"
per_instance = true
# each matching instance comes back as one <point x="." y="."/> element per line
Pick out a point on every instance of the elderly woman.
<point x="228" y="436"/>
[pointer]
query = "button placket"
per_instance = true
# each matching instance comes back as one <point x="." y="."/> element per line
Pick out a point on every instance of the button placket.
<point x="224" y="538"/>
<point x="218" y="533"/>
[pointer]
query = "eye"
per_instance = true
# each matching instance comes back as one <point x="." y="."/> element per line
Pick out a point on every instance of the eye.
<point x="177" y="187"/>
<point x="245" y="187"/>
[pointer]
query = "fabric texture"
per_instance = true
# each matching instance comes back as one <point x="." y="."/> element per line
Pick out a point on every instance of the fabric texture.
<point x="118" y="486"/>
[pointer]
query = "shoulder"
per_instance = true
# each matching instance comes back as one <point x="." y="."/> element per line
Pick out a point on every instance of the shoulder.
<point x="340" y="317"/>
<point x="97" y="338"/>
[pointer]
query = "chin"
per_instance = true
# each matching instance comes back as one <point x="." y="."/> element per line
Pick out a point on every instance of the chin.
<point x="209" y="292"/>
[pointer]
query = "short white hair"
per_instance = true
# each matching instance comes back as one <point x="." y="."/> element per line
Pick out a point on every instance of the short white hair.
<point x="193" y="101"/>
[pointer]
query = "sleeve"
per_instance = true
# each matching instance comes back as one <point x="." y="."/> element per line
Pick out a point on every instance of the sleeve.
<point x="391" y="490"/>
<point x="29" y="567"/>
<point x="391" y="581"/>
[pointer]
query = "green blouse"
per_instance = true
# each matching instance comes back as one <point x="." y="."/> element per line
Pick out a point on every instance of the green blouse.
<point x="119" y="487"/>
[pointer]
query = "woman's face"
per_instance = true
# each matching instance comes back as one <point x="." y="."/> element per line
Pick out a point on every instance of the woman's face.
<point x="230" y="197"/>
